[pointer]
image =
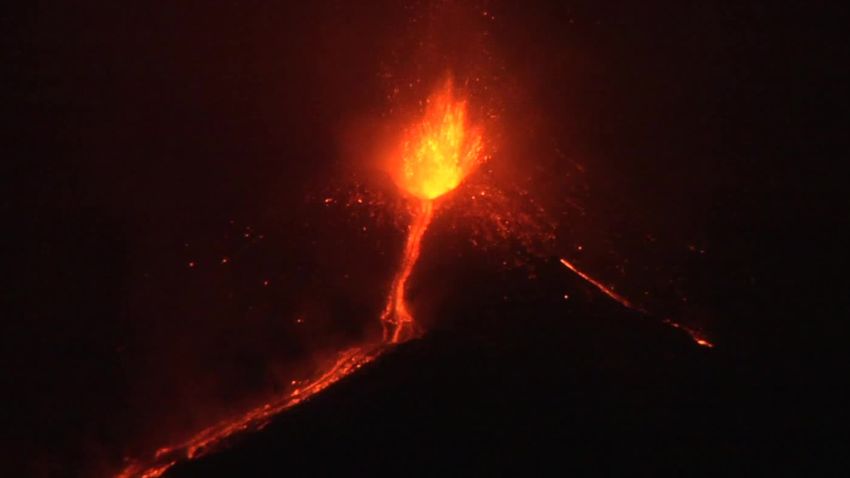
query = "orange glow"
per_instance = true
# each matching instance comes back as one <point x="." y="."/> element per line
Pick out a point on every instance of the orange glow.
<point x="396" y="318"/>
<point x="698" y="338"/>
<point x="439" y="151"/>
<point x="214" y="436"/>
<point x="602" y="288"/>
<point x="436" y="154"/>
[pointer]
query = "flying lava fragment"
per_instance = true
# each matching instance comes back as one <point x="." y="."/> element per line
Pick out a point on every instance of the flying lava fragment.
<point x="435" y="155"/>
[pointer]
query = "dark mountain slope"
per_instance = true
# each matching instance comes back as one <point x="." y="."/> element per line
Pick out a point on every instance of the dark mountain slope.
<point x="532" y="381"/>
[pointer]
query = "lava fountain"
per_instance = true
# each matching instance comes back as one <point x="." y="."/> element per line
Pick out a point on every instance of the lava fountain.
<point x="435" y="155"/>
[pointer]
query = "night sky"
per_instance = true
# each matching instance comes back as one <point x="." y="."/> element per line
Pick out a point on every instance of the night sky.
<point x="193" y="218"/>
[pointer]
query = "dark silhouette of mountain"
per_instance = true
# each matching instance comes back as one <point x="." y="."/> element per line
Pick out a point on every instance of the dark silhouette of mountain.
<point x="145" y="137"/>
<point x="521" y="380"/>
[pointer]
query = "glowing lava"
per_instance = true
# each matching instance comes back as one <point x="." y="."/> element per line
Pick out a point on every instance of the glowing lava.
<point x="602" y="288"/>
<point x="436" y="154"/>
<point x="211" y="438"/>
<point x="441" y="150"/>
<point x="698" y="338"/>
<point x="396" y="318"/>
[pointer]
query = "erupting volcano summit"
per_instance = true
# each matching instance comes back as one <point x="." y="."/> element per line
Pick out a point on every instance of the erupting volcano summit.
<point x="436" y="154"/>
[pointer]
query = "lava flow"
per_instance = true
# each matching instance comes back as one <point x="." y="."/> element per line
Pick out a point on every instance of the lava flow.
<point x="396" y="319"/>
<point x="698" y="338"/>
<point x="602" y="288"/>
<point x="436" y="155"/>
<point x="214" y="436"/>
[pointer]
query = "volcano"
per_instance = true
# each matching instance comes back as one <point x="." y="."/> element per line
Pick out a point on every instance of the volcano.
<point x="525" y="376"/>
<point x="270" y="238"/>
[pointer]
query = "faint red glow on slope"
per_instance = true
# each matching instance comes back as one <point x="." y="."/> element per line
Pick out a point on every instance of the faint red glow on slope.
<point x="698" y="338"/>
<point x="602" y="288"/>
<point x="211" y="438"/>
<point x="436" y="154"/>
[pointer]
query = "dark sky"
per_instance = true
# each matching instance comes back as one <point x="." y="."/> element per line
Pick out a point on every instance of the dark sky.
<point x="141" y="138"/>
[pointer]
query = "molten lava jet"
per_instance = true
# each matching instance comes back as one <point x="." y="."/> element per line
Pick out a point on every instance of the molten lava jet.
<point x="436" y="154"/>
